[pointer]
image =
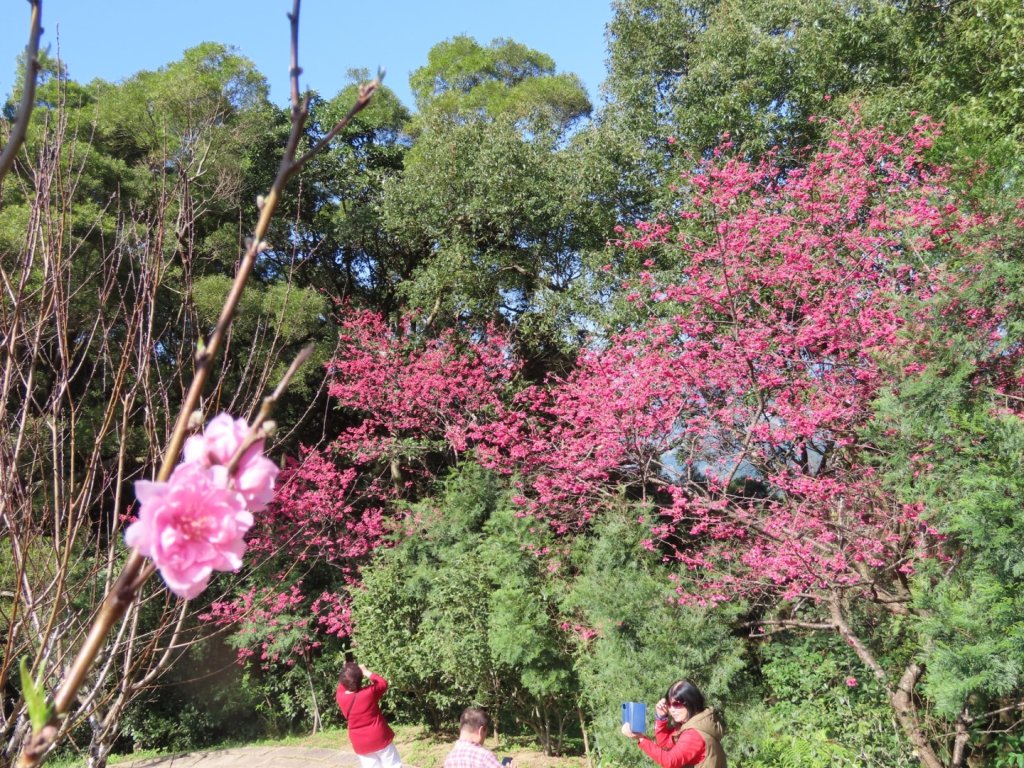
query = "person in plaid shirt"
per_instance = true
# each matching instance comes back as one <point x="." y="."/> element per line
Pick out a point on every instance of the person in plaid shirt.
<point x="469" y="751"/>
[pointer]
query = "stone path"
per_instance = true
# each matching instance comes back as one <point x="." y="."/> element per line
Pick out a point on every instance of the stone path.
<point x="252" y="757"/>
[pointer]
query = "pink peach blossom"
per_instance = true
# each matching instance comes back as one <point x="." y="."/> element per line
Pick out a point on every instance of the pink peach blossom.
<point x="217" y="446"/>
<point x="218" y="443"/>
<point x="256" y="477"/>
<point x="190" y="526"/>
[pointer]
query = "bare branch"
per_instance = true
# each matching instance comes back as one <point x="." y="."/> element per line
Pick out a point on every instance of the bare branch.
<point x="366" y="91"/>
<point x="28" y="93"/>
<point x="122" y="595"/>
<point x="256" y="428"/>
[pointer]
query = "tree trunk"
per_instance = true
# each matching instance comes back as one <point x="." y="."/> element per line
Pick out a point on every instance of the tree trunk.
<point x="317" y="722"/>
<point x="99" y="746"/>
<point x="902" y="699"/>
<point x="906" y="712"/>
<point x="586" y="741"/>
<point x="960" y="741"/>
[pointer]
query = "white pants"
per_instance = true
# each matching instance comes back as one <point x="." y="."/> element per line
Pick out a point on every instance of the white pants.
<point x="382" y="758"/>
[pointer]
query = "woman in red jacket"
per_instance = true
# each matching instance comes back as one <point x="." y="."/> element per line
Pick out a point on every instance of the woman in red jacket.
<point x="687" y="732"/>
<point x="369" y="732"/>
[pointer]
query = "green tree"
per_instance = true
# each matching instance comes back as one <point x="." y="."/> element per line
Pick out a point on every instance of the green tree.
<point x="347" y="251"/>
<point x="463" y="610"/>
<point x="634" y="637"/>
<point x="954" y="437"/>
<point x="463" y="80"/>
<point x="505" y="221"/>
<point x="811" y="708"/>
<point x="496" y="198"/>
<point x="758" y="70"/>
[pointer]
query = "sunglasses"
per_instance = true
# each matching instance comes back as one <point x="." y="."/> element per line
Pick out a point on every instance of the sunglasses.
<point x="677" y="704"/>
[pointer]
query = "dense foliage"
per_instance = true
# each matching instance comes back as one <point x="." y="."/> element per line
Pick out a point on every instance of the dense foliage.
<point x="722" y="381"/>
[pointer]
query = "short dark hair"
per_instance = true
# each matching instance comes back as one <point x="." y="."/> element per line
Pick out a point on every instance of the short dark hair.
<point x="686" y="693"/>
<point x="475" y="718"/>
<point x="351" y="676"/>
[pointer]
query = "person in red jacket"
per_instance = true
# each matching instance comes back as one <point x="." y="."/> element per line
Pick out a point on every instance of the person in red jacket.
<point x="369" y="732"/>
<point x="687" y="732"/>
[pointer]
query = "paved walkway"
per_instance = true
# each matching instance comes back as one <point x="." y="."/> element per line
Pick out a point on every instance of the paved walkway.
<point x="252" y="757"/>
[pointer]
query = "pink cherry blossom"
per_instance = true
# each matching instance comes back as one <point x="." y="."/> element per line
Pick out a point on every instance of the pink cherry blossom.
<point x="190" y="526"/>
<point x="771" y="316"/>
<point x="851" y="682"/>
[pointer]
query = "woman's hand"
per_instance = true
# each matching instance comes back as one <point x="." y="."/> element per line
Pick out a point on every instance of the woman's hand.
<point x="661" y="709"/>
<point x="366" y="672"/>
<point x="630" y="733"/>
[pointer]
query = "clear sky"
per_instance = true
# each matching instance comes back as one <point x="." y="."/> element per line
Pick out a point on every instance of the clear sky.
<point x="113" y="39"/>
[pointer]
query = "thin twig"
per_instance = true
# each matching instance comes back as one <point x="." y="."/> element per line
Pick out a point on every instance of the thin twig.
<point x="366" y="90"/>
<point x="256" y="428"/>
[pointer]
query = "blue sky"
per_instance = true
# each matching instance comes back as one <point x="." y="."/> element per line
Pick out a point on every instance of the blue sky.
<point x="113" y="39"/>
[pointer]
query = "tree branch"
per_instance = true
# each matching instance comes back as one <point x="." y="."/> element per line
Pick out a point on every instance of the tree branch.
<point x="28" y="92"/>
<point x="137" y="569"/>
<point x="862" y="651"/>
<point x="906" y="713"/>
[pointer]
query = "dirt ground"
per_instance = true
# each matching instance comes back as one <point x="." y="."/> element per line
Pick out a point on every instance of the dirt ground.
<point x="418" y="748"/>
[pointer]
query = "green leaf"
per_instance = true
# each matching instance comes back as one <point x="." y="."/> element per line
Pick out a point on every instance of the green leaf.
<point x="35" y="698"/>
